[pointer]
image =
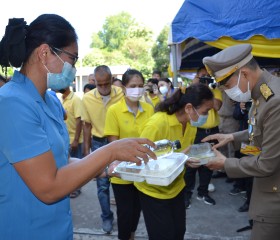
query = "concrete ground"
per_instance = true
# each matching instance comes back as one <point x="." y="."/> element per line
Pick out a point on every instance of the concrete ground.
<point x="218" y="222"/>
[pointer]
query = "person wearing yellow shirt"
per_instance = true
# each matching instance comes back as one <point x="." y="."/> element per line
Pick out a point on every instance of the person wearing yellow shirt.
<point x="72" y="104"/>
<point x="73" y="107"/>
<point x="123" y="120"/>
<point x="152" y="91"/>
<point x="95" y="104"/>
<point x="210" y="127"/>
<point x="164" y="206"/>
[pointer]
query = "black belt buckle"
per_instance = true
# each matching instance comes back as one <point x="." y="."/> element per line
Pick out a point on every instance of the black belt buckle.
<point x="208" y="130"/>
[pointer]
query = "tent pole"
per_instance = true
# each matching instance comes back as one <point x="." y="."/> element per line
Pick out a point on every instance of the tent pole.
<point x="174" y="64"/>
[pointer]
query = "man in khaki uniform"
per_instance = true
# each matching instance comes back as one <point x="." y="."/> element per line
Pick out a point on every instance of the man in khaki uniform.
<point x="239" y="74"/>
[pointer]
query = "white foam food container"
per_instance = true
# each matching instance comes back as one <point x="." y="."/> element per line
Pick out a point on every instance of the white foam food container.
<point x="202" y="152"/>
<point x="160" y="172"/>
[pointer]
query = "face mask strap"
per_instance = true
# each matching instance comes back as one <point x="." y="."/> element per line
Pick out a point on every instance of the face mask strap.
<point x="58" y="56"/>
<point x="190" y="115"/>
<point x="238" y="80"/>
<point x="196" y="112"/>
<point x="46" y="68"/>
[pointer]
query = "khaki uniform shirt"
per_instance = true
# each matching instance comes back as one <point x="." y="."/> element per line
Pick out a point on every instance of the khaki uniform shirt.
<point x="265" y="168"/>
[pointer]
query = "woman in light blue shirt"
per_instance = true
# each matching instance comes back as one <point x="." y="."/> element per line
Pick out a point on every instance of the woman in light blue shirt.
<point x="35" y="177"/>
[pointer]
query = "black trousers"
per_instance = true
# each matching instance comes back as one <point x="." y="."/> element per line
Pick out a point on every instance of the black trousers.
<point x="244" y="183"/>
<point x="165" y="219"/>
<point x="205" y="173"/>
<point x="128" y="209"/>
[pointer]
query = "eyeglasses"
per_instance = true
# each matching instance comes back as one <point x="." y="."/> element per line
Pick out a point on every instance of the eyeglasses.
<point x="72" y="56"/>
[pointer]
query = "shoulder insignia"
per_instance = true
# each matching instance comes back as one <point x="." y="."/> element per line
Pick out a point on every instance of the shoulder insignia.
<point x="266" y="91"/>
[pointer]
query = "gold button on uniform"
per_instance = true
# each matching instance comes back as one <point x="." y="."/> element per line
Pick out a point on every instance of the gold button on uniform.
<point x="274" y="189"/>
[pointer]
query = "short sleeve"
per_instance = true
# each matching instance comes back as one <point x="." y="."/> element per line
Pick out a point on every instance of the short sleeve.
<point x="22" y="134"/>
<point x="151" y="131"/>
<point x="84" y="113"/>
<point x="77" y="105"/>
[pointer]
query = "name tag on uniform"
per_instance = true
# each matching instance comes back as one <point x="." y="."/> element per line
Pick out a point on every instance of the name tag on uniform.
<point x="250" y="150"/>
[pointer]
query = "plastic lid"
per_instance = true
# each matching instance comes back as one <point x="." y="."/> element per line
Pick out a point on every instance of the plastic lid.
<point x="201" y="150"/>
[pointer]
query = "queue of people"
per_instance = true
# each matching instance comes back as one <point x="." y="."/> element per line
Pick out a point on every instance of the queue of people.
<point x="52" y="150"/>
<point x="36" y="177"/>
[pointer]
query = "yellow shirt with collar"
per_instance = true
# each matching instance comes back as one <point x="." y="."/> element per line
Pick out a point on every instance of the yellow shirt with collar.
<point x="94" y="109"/>
<point x="155" y="100"/>
<point x="121" y="122"/>
<point x="148" y="99"/>
<point x="213" y="119"/>
<point x="73" y="107"/>
<point x="164" y="126"/>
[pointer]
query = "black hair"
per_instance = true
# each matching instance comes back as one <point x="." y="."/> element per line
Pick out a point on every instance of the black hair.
<point x="252" y="64"/>
<point x="89" y="86"/>
<point x="20" y="40"/>
<point x="196" y="94"/>
<point x="153" y="81"/>
<point x="129" y="74"/>
<point x="200" y="68"/>
<point x="157" y="72"/>
<point x="167" y="80"/>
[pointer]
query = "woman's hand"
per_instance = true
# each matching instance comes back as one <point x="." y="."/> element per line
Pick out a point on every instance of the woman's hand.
<point x="222" y="139"/>
<point x="131" y="150"/>
<point x="111" y="168"/>
<point x="193" y="163"/>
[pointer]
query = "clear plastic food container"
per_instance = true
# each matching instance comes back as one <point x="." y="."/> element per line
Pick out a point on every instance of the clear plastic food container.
<point x="158" y="172"/>
<point x="202" y="152"/>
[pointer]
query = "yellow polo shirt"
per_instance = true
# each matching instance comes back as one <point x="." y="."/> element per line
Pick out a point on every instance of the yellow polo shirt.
<point x="148" y="99"/>
<point x="94" y="109"/>
<point x="73" y="107"/>
<point x="164" y="126"/>
<point x="155" y="100"/>
<point x="121" y="122"/>
<point x="213" y="119"/>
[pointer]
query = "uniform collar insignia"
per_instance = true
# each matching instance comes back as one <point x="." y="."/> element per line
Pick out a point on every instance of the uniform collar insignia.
<point x="266" y="91"/>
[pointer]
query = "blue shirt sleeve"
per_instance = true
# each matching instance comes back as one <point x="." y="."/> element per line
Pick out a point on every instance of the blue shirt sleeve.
<point x="21" y="125"/>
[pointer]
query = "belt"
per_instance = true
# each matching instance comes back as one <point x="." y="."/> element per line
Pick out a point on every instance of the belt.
<point x="99" y="139"/>
<point x="208" y="130"/>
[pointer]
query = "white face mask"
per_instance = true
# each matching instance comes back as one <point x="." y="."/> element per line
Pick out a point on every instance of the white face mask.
<point x="163" y="90"/>
<point x="134" y="94"/>
<point x="236" y="94"/>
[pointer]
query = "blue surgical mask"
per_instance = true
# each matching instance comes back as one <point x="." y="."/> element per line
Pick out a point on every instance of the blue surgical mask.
<point x="200" y="121"/>
<point x="61" y="80"/>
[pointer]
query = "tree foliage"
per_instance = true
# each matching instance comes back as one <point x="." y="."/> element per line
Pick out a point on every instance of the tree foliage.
<point x="10" y="72"/>
<point x="160" y="50"/>
<point x="115" y="30"/>
<point x="123" y="41"/>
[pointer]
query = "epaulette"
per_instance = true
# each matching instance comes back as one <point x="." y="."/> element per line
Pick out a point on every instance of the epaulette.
<point x="266" y="91"/>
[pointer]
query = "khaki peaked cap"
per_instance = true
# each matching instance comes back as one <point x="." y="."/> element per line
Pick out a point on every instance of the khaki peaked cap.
<point x="227" y="61"/>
